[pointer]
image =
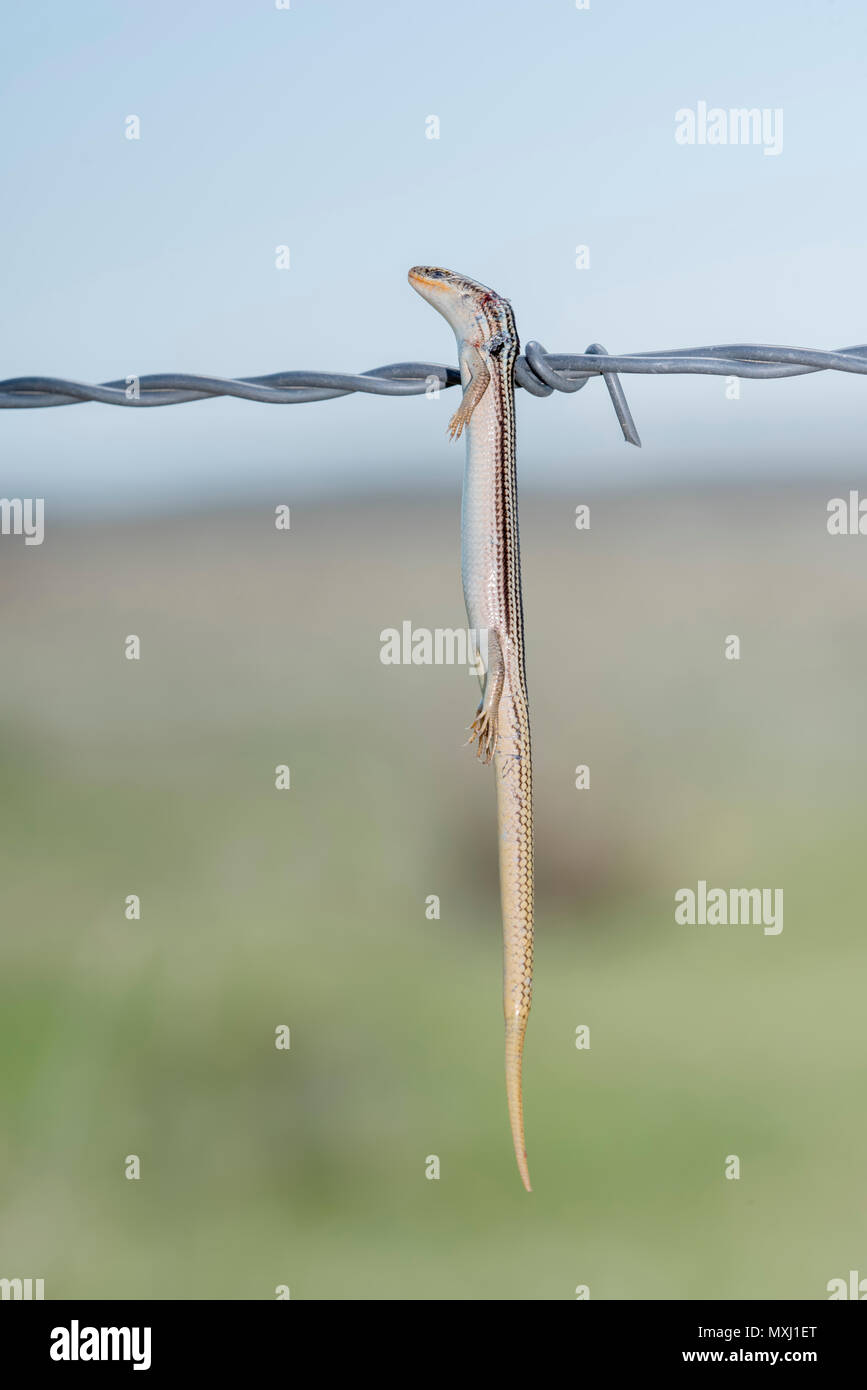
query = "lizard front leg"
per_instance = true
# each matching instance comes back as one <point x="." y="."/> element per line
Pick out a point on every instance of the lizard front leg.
<point x="473" y="391"/>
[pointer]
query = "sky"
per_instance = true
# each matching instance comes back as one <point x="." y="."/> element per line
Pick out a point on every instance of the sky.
<point x="307" y="127"/>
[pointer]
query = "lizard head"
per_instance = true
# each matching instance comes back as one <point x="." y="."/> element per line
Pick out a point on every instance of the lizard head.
<point x="464" y="304"/>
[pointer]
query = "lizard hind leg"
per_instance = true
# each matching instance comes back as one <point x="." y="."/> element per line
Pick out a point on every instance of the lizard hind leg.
<point x="483" y="730"/>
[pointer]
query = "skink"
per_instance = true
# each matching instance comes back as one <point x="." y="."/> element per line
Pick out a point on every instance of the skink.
<point x="487" y="340"/>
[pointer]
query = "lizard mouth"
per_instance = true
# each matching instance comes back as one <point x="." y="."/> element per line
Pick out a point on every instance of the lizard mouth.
<point x="429" y="276"/>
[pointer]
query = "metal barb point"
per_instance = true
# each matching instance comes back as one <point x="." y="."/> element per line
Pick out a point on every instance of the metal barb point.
<point x="618" y="400"/>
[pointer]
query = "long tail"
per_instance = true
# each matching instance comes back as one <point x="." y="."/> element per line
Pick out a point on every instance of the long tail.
<point x="515" y="817"/>
<point x="515" y="1030"/>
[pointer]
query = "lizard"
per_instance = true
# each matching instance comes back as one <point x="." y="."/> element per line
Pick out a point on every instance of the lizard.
<point x="488" y="346"/>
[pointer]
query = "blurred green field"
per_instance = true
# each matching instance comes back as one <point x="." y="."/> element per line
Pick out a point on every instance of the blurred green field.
<point x="307" y="908"/>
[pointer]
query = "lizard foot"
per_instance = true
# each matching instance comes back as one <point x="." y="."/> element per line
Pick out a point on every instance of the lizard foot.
<point x="460" y="418"/>
<point x="483" y="732"/>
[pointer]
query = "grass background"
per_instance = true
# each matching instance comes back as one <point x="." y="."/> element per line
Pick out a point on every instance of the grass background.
<point x="307" y="908"/>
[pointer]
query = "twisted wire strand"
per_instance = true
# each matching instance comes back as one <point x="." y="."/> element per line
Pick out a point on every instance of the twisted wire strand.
<point x="538" y="372"/>
<point x="174" y="388"/>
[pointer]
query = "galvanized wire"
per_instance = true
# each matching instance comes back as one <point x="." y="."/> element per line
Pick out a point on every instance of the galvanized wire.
<point x="174" y="388"/>
<point x="536" y="370"/>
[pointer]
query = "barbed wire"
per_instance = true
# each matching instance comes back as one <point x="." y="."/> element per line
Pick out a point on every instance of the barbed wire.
<point x="538" y="372"/>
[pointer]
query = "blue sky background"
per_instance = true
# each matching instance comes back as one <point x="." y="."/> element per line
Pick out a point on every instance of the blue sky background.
<point x="306" y="126"/>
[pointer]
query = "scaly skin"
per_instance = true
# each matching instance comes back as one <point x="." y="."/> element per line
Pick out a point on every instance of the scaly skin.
<point x="491" y="567"/>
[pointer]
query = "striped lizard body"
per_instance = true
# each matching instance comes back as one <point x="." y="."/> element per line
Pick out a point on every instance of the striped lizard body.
<point x="487" y="340"/>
